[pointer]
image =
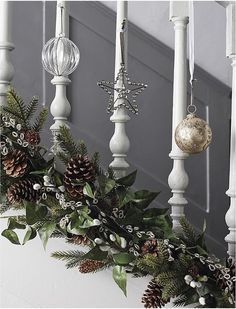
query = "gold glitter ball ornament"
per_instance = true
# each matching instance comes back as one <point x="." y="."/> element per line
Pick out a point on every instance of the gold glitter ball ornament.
<point x="193" y="134"/>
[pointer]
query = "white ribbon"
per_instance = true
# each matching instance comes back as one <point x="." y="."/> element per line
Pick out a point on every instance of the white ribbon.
<point x="191" y="108"/>
<point x="191" y="41"/>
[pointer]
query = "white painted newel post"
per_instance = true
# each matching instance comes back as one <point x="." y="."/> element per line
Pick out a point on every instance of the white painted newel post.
<point x="119" y="143"/>
<point x="6" y="46"/>
<point x="60" y="107"/>
<point x="231" y="53"/>
<point x="178" y="178"/>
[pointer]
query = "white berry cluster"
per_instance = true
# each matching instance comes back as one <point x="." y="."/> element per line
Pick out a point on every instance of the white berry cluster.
<point x="193" y="283"/>
<point x="202" y="301"/>
<point x="48" y="186"/>
<point x="105" y="246"/>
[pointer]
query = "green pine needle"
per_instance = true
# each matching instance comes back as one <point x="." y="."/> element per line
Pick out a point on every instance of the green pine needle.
<point x="16" y="103"/>
<point x="32" y="107"/>
<point x="40" y="120"/>
<point x="63" y="157"/>
<point x="73" y="257"/>
<point x="67" y="142"/>
<point x="83" y="151"/>
<point x="95" y="160"/>
<point x="188" y="232"/>
<point x="180" y="301"/>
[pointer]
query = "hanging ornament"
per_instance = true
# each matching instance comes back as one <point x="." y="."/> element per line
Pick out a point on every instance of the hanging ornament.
<point x="60" y="56"/>
<point x="126" y="90"/>
<point x="193" y="134"/>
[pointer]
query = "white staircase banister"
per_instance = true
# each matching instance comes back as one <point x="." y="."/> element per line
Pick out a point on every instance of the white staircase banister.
<point x="60" y="106"/>
<point x="231" y="54"/>
<point x="6" y="46"/>
<point x="178" y="178"/>
<point x="119" y="143"/>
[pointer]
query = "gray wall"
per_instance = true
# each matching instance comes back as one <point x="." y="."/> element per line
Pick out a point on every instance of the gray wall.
<point x="92" y="28"/>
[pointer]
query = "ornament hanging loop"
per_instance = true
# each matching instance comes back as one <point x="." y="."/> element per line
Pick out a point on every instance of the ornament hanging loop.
<point x="122" y="41"/>
<point x="62" y="8"/>
<point x="191" y="109"/>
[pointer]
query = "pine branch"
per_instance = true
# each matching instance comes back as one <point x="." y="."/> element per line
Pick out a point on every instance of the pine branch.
<point x="63" y="157"/>
<point x="82" y="149"/>
<point x="187" y="296"/>
<point x="183" y="261"/>
<point x="147" y="264"/>
<point x="180" y="301"/>
<point x="173" y="288"/>
<point x="73" y="258"/>
<point x="165" y="277"/>
<point x="12" y="112"/>
<point x="67" y="142"/>
<point x="15" y="102"/>
<point x="111" y="173"/>
<point x="188" y="232"/>
<point x="31" y="108"/>
<point x="39" y="122"/>
<point x="95" y="160"/>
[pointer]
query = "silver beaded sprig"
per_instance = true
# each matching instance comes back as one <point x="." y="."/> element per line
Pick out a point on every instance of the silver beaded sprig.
<point x="17" y="136"/>
<point x="213" y="264"/>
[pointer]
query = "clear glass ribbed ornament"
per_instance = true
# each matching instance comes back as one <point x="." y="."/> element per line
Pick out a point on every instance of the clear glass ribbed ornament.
<point x="60" y="56"/>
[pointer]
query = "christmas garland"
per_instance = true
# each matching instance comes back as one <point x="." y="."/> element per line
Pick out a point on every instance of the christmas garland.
<point x="89" y="207"/>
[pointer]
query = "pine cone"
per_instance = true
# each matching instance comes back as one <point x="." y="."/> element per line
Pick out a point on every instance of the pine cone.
<point x="152" y="297"/>
<point x="15" y="163"/>
<point x="32" y="137"/>
<point x="89" y="266"/>
<point x="22" y="190"/>
<point x="79" y="240"/>
<point x="151" y="247"/>
<point x="79" y="171"/>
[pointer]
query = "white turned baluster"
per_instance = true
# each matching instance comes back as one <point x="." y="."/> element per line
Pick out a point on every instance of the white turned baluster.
<point x="6" y="45"/>
<point x="178" y="178"/>
<point x="231" y="53"/>
<point x="60" y="107"/>
<point x="119" y="143"/>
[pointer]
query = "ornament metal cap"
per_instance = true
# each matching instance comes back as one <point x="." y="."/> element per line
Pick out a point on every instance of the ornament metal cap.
<point x="193" y="135"/>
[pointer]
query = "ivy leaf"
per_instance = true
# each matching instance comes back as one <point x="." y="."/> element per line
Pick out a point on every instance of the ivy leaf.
<point x="87" y="190"/>
<point x="75" y="230"/>
<point x="120" y="277"/>
<point x="34" y="212"/>
<point x="106" y="184"/>
<point x="46" y="231"/>
<point x="11" y="236"/>
<point x="74" y="227"/>
<point x="123" y="258"/>
<point x="13" y="224"/>
<point x="154" y="212"/>
<point x="134" y="216"/>
<point x="128" y="180"/>
<point x="162" y="222"/>
<point x="143" y="198"/>
<point x="30" y="234"/>
<point x="125" y="196"/>
<point x="95" y="254"/>
<point x="201" y="251"/>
